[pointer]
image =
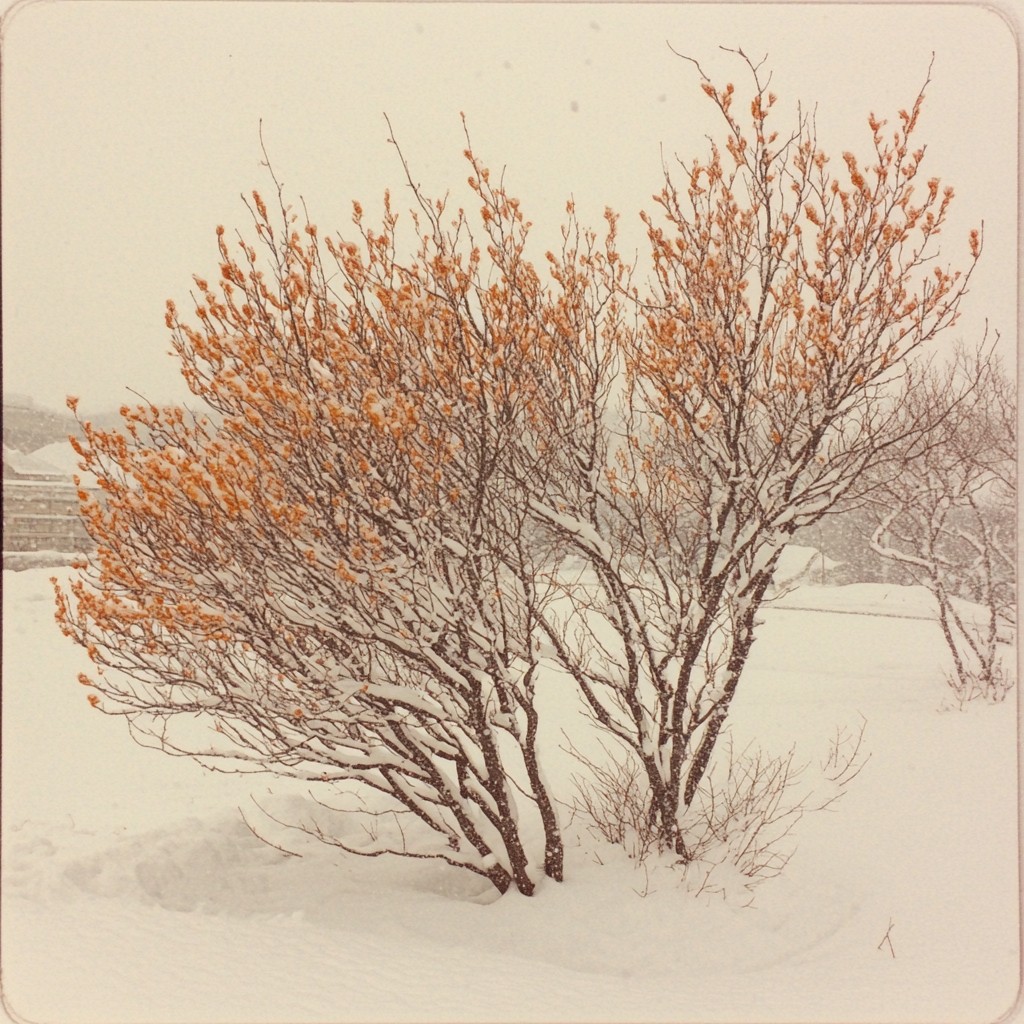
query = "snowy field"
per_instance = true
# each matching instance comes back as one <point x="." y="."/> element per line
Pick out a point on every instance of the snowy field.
<point x="133" y="891"/>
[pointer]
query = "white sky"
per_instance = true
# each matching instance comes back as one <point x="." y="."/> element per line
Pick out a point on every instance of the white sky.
<point x="129" y="130"/>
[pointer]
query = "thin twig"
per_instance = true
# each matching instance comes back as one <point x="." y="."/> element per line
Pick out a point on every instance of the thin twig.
<point x="887" y="938"/>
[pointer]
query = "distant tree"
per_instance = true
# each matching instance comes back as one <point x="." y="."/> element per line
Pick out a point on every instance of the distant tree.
<point x="947" y="513"/>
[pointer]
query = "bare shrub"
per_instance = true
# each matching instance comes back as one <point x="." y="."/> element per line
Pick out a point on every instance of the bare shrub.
<point x="744" y="814"/>
<point x="613" y="799"/>
<point x="991" y="684"/>
<point x="739" y="830"/>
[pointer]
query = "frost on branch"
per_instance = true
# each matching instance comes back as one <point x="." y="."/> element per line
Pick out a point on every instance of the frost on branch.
<point x="332" y="576"/>
<point x="760" y="373"/>
<point x="423" y="481"/>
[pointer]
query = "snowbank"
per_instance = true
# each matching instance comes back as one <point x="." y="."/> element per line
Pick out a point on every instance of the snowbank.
<point x="133" y="890"/>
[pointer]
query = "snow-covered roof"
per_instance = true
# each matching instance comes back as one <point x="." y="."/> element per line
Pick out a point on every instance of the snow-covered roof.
<point x="30" y="466"/>
<point x="798" y="561"/>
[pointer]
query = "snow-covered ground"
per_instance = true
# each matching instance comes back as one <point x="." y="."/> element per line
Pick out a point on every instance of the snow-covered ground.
<point x="133" y="890"/>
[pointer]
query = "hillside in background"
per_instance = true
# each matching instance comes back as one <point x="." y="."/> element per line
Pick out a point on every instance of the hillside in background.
<point x="29" y="426"/>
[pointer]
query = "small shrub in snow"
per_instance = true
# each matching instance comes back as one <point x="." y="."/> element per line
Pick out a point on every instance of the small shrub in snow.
<point x="739" y="829"/>
<point x="992" y="686"/>
<point x="613" y="800"/>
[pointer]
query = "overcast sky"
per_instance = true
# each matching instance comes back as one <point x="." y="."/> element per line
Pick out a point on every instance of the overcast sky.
<point x="130" y="129"/>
